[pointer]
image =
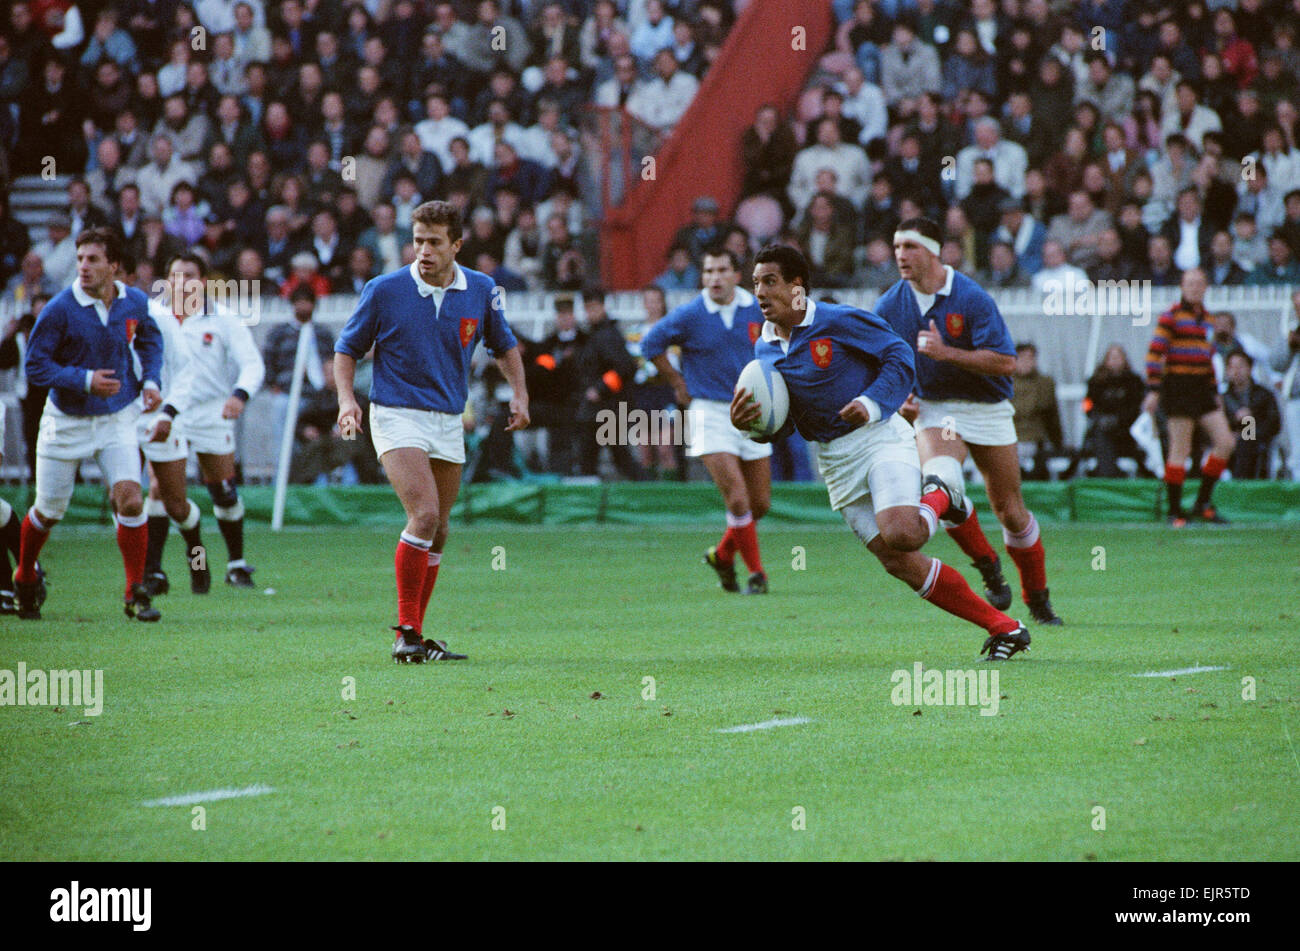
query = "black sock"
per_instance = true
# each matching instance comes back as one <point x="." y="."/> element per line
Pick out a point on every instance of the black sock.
<point x="11" y="538"/>
<point x="1175" y="491"/>
<point x="1205" y="491"/>
<point x="233" y="532"/>
<point x="159" y="525"/>
<point x="193" y="539"/>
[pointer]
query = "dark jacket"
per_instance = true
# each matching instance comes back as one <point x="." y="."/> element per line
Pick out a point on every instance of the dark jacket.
<point x="605" y="352"/>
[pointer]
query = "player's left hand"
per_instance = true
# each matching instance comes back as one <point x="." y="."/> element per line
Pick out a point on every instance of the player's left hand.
<point x="930" y="342"/>
<point x="855" y="413"/>
<point x="152" y="400"/>
<point x="745" y="411"/>
<point x="161" y="429"/>
<point x="519" y="418"/>
<point x="234" y="406"/>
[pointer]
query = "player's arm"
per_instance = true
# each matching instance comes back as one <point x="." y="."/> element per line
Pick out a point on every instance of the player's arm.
<point x="511" y="365"/>
<point x="345" y="377"/>
<point x="252" y="370"/>
<point x="355" y="341"/>
<point x="42" y="368"/>
<point x="654" y="347"/>
<point x="894" y="380"/>
<point x="1156" y="352"/>
<point x="984" y="360"/>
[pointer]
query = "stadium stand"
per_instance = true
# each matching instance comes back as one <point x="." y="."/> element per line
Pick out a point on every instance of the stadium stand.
<point x="309" y="129"/>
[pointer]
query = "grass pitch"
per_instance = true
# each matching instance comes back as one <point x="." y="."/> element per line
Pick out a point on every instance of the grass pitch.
<point x="511" y="754"/>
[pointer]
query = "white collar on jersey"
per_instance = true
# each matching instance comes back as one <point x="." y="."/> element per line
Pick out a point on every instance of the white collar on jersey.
<point x="769" y="328"/>
<point x="85" y="300"/>
<point x="458" y="283"/>
<point x="743" y="298"/>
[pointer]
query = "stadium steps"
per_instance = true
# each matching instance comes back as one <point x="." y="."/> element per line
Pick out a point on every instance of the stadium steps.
<point x="757" y="64"/>
<point x="33" y="200"/>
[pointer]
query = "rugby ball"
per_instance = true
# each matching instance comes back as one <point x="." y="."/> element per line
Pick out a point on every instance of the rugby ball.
<point x="768" y="390"/>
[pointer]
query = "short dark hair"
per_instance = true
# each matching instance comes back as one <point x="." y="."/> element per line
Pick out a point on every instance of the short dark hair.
<point x="302" y="292"/>
<point x="718" y="251"/>
<point x="789" y="261"/>
<point x="189" y="257"/>
<point x="112" y="243"/>
<point x="440" y="213"/>
<point x="1026" y="347"/>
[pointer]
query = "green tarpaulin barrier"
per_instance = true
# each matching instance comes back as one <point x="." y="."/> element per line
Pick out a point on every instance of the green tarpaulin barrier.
<point x="626" y="503"/>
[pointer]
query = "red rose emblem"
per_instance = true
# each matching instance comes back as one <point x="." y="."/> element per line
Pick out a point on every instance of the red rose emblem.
<point x="955" y="323"/>
<point x="131" y="323"/>
<point x="467" y="327"/>
<point x="821" y="352"/>
<point x="755" y="330"/>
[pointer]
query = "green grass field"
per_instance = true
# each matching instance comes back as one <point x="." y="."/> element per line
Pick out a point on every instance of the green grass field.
<point x="243" y="688"/>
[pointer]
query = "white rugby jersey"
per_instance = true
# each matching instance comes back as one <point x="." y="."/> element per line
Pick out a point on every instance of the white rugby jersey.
<point x="176" y="349"/>
<point x="223" y="358"/>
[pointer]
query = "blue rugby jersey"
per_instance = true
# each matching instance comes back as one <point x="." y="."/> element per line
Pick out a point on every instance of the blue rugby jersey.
<point x="422" y="352"/>
<point x="836" y="355"/>
<point x="968" y="319"/>
<point x="69" y="341"/>
<point x="712" y="355"/>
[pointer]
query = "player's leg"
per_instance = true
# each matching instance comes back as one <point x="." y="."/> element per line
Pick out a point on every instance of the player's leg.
<point x="938" y="583"/>
<point x="1000" y="466"/>
<point x="1180" y="444"/>
<point x="120" y="463"/>
<point x="757" y="476"/>
<point x="167" y="503"/>
<point x="411" y="476"/>
<point x="218" y="473"/>
<point x="446" y="478"/>
<point x="1222" y="442"/>
<point x="10" y="545"/>
<point x="724" y="469"/>
<point x="942" y="454"/>
<point x="54" y="479"/>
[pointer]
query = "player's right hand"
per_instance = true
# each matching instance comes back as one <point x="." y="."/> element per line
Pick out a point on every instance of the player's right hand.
<point x="102" y="383"/>
<point x="910" y="408"/>
<point x="681" y="396"/>
<point x="744" y="410"/>
<point x="349" y="420"/>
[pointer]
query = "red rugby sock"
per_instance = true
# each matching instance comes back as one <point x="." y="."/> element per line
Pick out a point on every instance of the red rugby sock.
<point x="747" y="542"/>
<point x="970" y="538"/>
<point x="33" y="539"/>
<point x="430" y="579"/>
<point x="133" y="543"/>
<point x="411" y="562"/>
<point x="947" y="589"/>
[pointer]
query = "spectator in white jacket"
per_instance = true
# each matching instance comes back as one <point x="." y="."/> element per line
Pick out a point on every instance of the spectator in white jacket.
<point x="864" y="102"/>
<point x="908" y="68"/>
<point x="1009" y="159"/>
<point x="847" y="161"/>
<point x="662" y="101"/>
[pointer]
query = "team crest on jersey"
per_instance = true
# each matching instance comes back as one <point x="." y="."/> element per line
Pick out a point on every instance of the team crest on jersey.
<point x="130" y="330"/>
<point x="821" y="352"/>
<point x="467" y="327"/>
<point x="754" y="331"/>
<point x="207" y="340"/>
<point x="955" y="323"/>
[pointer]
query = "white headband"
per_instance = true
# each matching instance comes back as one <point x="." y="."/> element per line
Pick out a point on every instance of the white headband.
<point x="911" y="234"/>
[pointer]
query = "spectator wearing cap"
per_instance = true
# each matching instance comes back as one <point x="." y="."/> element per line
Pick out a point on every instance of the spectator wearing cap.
<point x="705" y="230"/>
<point x="661" y="101"/>
<point x="1009" y="160"/>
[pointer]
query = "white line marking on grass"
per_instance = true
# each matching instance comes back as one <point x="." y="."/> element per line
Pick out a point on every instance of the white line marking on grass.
<point x="212" y="795"/>
<point x="766" y="725"/>
<point x="1179" y="672"/>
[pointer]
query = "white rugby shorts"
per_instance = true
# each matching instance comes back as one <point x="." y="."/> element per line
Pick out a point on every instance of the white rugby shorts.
<point x="439" y="435"/>
<point x="879" y="461"/>
<point x="206" y="431"/>
<point x="709" y="430"/>
<point x="171" y="449"/>
<point x="980" y="424"/>
<point x="64" y="441"/>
